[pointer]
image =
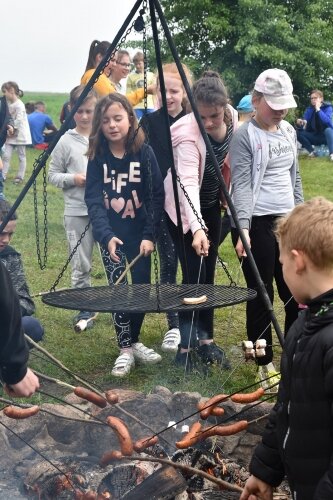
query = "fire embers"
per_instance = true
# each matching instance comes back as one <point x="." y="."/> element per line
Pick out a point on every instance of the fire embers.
<point x="46" y="482"/>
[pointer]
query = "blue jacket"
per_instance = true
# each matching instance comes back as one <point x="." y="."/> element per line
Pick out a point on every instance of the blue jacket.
<point x="324" y="115"/>
<point x="123" y="199"/>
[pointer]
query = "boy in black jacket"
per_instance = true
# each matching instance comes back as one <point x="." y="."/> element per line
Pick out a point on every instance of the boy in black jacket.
<point x="298" y="440"/>
<point x="12" y="261"/>
<point x="18" y="379"/>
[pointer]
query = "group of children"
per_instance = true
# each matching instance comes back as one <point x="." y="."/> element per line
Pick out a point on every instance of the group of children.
<point x="116" y="175"/>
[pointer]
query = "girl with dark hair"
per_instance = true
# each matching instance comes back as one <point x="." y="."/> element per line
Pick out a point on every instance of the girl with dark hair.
<point x="125" y="197"/>
<point x="104" y="86"/>
<point x="196" y="171"/>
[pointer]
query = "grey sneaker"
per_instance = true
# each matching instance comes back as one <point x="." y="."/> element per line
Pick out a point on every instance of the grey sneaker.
<point x="144" y="354"/>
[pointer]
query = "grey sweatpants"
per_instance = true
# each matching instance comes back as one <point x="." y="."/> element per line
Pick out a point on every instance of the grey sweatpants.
<point x="81" y="261"/>
<point x="9" y="149"/>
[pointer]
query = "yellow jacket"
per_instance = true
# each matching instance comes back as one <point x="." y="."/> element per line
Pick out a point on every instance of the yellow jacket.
<point x="104" y="87"/>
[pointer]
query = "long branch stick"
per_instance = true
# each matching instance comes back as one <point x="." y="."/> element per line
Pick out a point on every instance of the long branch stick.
<point x="188" y="469"/>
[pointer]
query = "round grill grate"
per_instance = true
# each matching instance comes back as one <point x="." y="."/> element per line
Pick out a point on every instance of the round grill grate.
<point x="147" y="298"/>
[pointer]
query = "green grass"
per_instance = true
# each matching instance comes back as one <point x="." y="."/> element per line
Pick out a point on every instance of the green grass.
<point x="92" y="353"/>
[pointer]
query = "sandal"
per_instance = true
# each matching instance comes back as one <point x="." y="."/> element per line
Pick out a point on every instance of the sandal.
<point x="123" y="364"/>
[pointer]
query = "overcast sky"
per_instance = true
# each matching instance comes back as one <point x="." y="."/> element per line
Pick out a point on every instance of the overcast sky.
<point x="44" y="45"/>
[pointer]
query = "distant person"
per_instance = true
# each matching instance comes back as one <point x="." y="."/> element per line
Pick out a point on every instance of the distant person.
<point x="11" y="259"/>
<point x="6" y="128"/>
<point x="18" y="380"/>
<point x="104" y="86"/>
<point x="135" y="81"/>
<point x="21" y="136"/>
<point x="245" y="109"/>
<point x="64" y="113"/>
<point x="298" y="439"/>
<point x="29" y="107"/>
<point x="316" y="126"/>
<point x="42" y="127"/>
<point x="67" y="171"/>
<point x="121" y="70"/>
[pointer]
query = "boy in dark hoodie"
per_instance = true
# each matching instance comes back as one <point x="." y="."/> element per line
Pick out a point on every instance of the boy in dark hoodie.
<point x="11" y="259"/>
<point x="298" y="439"/>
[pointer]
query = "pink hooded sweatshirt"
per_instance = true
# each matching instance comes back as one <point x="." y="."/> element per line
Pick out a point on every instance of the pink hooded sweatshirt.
<point x="189" y="152"/>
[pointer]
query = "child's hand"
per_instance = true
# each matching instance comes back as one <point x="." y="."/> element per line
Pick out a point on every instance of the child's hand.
<point x="146" y="247"/>
<point x="151" y="89"/>
<point x="112" y="247"/>
<point x="239" y="247"/>
<point x="200" y="243"/>
<point x="10" y="130"/>
<point x="255" y="489"/>
<point x="80" y="180"/>
<point x="25" y="388"/>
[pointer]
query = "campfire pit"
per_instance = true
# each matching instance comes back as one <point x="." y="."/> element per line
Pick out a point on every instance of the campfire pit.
<point x="76" y="448"/>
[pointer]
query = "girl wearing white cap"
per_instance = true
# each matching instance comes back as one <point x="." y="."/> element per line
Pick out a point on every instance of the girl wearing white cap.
<point x="266" y="185"/>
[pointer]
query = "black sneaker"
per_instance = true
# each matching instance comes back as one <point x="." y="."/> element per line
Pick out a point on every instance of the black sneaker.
<point x="185" y="359"/>
<point x="212" y="353"/>
<point x="85" y="316"/>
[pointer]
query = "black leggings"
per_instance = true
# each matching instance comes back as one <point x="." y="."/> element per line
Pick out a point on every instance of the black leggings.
<point x="203" y="321"/>
<point x="127" y="326"/>
<point x="265" y="250"/>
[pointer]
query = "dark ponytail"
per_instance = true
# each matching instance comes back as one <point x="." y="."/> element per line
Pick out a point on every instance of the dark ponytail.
<point x="210" y="90"/>
<point x="96" y="47"/>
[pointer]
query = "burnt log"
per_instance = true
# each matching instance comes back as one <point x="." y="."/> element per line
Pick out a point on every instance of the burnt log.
<point x="164" y="483"/>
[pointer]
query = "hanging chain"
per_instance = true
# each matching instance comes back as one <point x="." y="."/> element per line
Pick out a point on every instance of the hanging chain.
<point x="53" y="287"/>
<point x="41" y="261"/>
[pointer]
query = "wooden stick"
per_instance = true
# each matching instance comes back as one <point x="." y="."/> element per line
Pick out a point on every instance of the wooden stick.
<point x="188" y="469"/>
<point x="128" y="267"/>
<point x="55" y="380"/>
<point x="40" y="294"/>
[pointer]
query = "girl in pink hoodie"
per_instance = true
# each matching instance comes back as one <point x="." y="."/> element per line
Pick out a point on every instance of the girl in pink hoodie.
<point x="197" y="174"/>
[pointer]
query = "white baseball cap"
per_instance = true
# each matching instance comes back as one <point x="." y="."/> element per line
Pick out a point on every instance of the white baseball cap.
<point x="277" y="88"/>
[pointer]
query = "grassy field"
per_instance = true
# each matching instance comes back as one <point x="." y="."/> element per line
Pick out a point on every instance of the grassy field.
<point x="93" y="352"/>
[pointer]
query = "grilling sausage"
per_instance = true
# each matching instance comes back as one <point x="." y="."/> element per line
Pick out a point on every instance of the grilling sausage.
<point x="224" y="430"/>
<point x="110" y="456"/>
<point x="142" y="444"/>
<point x="123" y="435"/>
<point x="248" y="398"/>
<point x="111" y="397"/>
<point x="20" y="413"/>
<point x="211" y="403"/>
<point x="90" y="396"/>
<point x="191" y="437"/>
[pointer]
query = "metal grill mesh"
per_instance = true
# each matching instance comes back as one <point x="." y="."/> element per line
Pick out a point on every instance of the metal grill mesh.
<point x="146" y="298"/>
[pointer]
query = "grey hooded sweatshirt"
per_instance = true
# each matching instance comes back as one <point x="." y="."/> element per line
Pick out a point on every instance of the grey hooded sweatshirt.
<point x="67" y="159"/>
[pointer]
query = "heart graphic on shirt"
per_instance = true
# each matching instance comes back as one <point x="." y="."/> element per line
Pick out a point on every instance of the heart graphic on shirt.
<point x="117" y="204"/>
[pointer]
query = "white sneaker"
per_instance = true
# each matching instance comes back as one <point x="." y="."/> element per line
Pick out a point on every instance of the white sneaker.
<point x="331" y="156"/>
<point x="123" y="364"/>
<point x="144" y="354"/>
<point x="171" y="340"/>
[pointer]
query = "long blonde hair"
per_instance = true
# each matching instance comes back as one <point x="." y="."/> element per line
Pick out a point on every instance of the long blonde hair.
<point x="171" y="69"/>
